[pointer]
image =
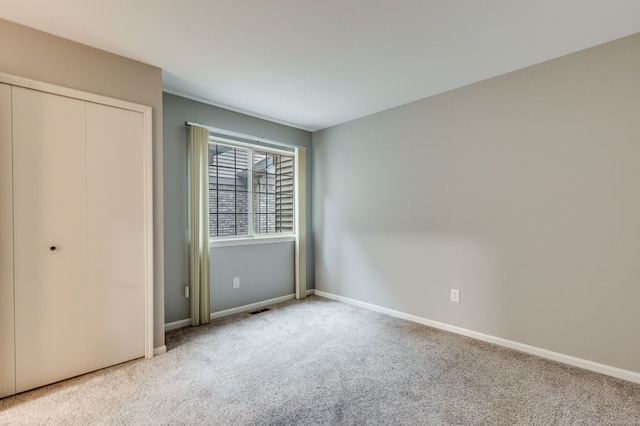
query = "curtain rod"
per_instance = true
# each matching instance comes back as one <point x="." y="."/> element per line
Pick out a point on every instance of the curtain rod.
<point x="232" y="133"/>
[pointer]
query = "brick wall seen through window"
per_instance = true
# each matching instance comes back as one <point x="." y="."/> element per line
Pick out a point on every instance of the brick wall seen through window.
<point x="250" y="191"/>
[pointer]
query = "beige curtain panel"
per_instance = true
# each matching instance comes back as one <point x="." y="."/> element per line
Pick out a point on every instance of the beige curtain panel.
<point x="300" y="223"/>
<point x="199" y="224"/>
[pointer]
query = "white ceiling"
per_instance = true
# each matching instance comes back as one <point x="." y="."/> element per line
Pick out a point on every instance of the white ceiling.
<point x="317" y="63"/>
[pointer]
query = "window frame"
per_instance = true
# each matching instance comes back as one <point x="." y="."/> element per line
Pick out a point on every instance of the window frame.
<point x="253" y="237"/>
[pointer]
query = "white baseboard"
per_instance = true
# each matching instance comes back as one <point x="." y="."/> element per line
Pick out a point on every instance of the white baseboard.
<point x="250" y="307"/>
<point x="619" y="373"/>
<point x="177" y="324"/>
<point x="159" y="350"/>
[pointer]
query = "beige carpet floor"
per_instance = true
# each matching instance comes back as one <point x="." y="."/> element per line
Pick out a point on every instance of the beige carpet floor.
<point x="322" y="362"/>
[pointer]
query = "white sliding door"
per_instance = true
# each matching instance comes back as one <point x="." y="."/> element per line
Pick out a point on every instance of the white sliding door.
<point x="82" y="236"/>
<point x="115" y="202"/>
<point x="50" y="248"/>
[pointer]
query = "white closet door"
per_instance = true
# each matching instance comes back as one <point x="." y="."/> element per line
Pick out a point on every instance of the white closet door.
<point x="116" y="239"/>
<point x="7" y="360"/>
<point x="52" y="316"/>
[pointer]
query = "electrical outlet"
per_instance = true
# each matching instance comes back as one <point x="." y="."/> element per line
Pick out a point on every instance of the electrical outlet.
<point x="236" y="282"/>
<point x="455" y="295"/>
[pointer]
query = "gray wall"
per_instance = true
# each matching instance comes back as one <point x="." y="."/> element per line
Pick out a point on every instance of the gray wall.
<point x="43" y="57"/>
<point x="177" y="110"/>
<point x="265" y="271"/>
<point x="522" y="191"/>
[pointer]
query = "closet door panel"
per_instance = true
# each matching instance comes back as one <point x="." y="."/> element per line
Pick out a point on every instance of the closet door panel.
<point x="116" y="194"/>
<point x="7" y="360"/>
<point x="50" y="249"/>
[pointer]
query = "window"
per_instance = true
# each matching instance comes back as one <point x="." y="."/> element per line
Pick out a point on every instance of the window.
<point x="250" y="191"/>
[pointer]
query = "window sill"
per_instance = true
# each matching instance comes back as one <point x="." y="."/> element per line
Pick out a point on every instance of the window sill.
<point x="248" y="241"/>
